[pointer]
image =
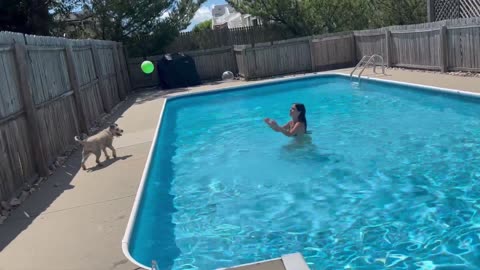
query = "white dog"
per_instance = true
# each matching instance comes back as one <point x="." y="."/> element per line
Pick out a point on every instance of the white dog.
<point x="98" y="142"/>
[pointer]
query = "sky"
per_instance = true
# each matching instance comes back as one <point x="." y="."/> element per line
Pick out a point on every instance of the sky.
<point x="204" y="12"/>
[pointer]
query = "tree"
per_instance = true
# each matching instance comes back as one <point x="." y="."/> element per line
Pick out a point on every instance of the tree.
<point x="145" y="26"/>
<point x="205" y="25"/>
<point x="307" y="17"/>
<point x="290" y="13"/>
<point x="326" y="16"/>
<point x="393" y="12"/>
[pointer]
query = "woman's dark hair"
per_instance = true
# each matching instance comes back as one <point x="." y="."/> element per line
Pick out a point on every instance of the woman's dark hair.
<point x="301" y="117"/>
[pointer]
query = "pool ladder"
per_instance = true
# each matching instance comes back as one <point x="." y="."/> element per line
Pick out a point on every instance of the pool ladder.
<point x="372" y="59"/>
<point x="155" y="265"/>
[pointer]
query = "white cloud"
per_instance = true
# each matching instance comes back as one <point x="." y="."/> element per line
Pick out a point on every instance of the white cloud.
<point x="203" y="13"/>
<point x="165" y="15"/>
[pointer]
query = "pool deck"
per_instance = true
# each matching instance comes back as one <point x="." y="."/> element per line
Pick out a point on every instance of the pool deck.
<point x="77" y="219"/>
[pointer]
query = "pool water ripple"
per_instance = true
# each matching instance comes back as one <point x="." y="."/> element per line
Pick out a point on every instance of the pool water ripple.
<point x="388" y="180"/>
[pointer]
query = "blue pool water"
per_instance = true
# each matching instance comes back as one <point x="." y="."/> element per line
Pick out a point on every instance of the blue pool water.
<point x="389" y="180"/>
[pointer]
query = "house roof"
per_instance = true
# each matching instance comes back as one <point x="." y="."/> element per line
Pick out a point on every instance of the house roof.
<point x="221" y="14"/>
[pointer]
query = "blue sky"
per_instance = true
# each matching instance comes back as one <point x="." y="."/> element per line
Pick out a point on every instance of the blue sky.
<point x="204" y="13"/>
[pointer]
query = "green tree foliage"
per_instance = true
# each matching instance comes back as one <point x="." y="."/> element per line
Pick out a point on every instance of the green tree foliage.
<point x="307" y="17"/>
<point x="392" y="12"/>
<point x="145" y="26"/>
<point x="287" y="12"/>
<point x="205" y="25"/>
<point x="326" y="16"/>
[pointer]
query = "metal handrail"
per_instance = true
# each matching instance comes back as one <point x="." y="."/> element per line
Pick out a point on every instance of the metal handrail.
<point x="375" y="66"/>
<point x="370" y="59"/>
<point x="359" y="63"/>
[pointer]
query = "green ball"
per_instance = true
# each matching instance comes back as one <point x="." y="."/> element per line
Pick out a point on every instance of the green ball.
<point x="147" y="67"/>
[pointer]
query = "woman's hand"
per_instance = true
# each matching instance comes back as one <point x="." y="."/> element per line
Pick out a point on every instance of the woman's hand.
<point x="272" y="123"/>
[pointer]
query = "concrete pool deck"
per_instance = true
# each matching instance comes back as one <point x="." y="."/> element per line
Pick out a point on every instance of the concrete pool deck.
<point x="77" y="219"/>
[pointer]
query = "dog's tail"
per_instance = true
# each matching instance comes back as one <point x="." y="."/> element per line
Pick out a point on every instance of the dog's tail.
<point x="80" y="139"/>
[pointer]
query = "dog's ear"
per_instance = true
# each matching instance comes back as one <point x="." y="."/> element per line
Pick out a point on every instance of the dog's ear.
<point x="113" y="126"/>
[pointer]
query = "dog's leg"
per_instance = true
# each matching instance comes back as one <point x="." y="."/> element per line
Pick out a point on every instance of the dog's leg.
<point x="97" y="155"/>
<point x="105" y="152"/>
<point x="114" y="153"/>
<point x="84" y="159"/>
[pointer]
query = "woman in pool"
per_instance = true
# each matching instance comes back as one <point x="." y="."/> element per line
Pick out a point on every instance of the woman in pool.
<point x="296" y="127"/>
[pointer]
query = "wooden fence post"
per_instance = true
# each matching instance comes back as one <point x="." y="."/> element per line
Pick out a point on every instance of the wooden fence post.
<point x="72" y="74"/>
<point x="101" y="83"/>
<point x="38" y="148"/>
<point x="118" y="71"/>
<point x="127" y="69"/>
<point x="443" y="49"/>
<point x="312" y="54"/>
<point x="246" y="64"/>
<point x="354" y="50"/>
<point x="388" y="47"/>
<point x="252" y="39"/>
<point x="235" y="61"/>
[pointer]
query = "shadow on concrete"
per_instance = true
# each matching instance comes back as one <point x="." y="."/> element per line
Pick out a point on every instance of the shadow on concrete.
<point x="107" y="162"/>
<point x="46" y="193"/>
<point x="49" y="190"/>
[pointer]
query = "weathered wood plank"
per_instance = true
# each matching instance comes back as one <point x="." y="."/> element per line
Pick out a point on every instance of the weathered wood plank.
<point x="415" y="49"/>
<point x="333" y="52"/>
<point x="370" y="44"/>
<point x="11" y="117"/>
<point x="125" y="74"/>
<point x="108" y="71"/>
<point x="443" y="50"/>
<point x="39" y="116"/>
<point x="48" y="67"/>
<point x="72" y="73"/>
<point x="91" y="99"/>
<point x="279" y="59"/>
<point x="39" y="149"/>
<point x="9" y="89"/>
<point x="122" y="92"/>
<point x="58" y="125"/>
<point x="18" y="165"/>
<point x="211" y="66"/>
<point x="106" y="100"/>
<point x="240" y="60"/>
<point x="462" y="48"/>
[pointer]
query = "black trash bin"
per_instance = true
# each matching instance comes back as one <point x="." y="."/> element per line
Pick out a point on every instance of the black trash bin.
<point x="177" y="70"/>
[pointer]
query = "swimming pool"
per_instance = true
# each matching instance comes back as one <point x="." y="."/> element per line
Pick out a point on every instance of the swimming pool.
<point x="388" y="180"/>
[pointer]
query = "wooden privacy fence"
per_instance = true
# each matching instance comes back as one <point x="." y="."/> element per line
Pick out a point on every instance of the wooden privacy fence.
<point x="280" y="58"/>
<point x="297" y="55"/>
<point x="444" y="45"/>
<point x="210" y="65"/>
<point x="263" y="60"/>
<point x="447" y="45"/>
<point x="51" y="90"/>
<point x="208" y="39"/>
